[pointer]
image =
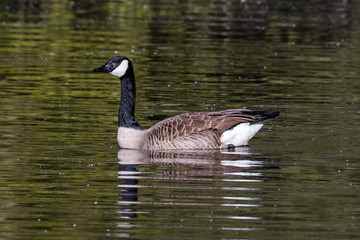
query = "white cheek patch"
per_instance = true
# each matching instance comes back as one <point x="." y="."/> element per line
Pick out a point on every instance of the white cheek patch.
<point x="121" y="69"/>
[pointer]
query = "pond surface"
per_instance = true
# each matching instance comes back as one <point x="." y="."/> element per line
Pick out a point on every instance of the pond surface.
<point x="62" y="175"/>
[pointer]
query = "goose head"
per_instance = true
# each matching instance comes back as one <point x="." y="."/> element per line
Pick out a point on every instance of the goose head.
<point x="118" y="66"/>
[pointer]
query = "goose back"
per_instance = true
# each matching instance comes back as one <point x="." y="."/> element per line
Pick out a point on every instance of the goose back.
<point x="198" y="130"/>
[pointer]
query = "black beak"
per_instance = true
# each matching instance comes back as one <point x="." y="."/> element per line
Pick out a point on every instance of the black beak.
<point x="103" y="68"/>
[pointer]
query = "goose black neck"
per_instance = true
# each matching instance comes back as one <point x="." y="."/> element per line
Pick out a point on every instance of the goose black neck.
<point x="127" y="102"/>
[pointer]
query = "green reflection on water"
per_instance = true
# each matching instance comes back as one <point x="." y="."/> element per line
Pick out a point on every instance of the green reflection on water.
<point x="58" y="167"/>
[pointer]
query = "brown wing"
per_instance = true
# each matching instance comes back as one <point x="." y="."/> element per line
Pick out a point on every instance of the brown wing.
<point x="198" y="130"/>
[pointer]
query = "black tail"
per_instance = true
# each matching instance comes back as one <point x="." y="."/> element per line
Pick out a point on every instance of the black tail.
<point x="264" y="115"/>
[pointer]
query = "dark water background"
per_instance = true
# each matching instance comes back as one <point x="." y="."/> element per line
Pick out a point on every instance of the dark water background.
<point x="62" y="177"/>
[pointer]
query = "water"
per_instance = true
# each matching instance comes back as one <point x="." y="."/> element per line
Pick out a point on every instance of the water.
<point x="62" y="175"/>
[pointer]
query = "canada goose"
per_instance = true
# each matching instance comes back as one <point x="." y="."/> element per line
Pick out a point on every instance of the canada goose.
<point x="197" y="130"/>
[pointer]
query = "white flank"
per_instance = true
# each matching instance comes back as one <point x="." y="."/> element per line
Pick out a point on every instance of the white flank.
<point x="121" y="69"/>
<point x="241" y="134"/>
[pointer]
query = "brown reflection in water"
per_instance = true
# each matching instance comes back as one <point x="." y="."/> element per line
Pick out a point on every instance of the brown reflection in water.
<point x="199" y="158"/>
<point x="205" y="166"/>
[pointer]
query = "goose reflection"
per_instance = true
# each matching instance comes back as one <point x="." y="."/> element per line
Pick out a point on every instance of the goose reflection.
<point x="198" y="158"/>
<point x="210" y="166"/>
